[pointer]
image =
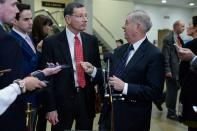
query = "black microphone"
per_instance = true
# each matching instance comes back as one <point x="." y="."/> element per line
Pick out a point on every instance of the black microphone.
<point x="107" y="56"/>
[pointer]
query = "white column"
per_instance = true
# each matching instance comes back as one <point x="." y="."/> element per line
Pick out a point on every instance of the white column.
<point x="88" y="5"/>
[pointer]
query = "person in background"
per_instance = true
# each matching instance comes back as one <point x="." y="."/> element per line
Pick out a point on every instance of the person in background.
<point x="22" y="27"/>
<point x="42" y="27"/>
<point x="137" y="72"/>
<point x="188" y="77"/>
<point x="119" y="42"/>
<point x="172" y="61"/>
<point x="71" y="92"/>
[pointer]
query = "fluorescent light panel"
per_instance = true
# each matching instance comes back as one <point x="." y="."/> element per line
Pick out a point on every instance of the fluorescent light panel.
<point x="164" y="1"/>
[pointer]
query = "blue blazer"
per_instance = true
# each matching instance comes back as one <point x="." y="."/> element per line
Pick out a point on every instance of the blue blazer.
<point x="30" y="59"/>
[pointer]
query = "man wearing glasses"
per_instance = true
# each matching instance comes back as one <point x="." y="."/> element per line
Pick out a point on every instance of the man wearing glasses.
<point x="71" y="94"/>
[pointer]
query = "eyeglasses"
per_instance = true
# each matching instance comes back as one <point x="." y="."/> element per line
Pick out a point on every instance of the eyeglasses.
<point x="80" y="16"/>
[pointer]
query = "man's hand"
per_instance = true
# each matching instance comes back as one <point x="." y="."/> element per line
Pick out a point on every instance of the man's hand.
<point x="52" y="117"/>
<point x="52" y="71"/>
<point x="88" y="67"/>
<point x="117" y="83"/>
<point x="186" y="54"/>
<point x="31" y="83"/>
<point x="168" y="75"/>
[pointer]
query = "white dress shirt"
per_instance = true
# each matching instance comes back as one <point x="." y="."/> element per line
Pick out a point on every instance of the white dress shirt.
<point x="136" y="45"/>
<point x="8" y="95"/>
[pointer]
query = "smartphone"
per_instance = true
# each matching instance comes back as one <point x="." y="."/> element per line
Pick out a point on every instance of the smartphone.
<point x="64" y="66"/>
<point x="46" y="82"/>
<point x="5" y="70"/>
<point x="194" y="108"/>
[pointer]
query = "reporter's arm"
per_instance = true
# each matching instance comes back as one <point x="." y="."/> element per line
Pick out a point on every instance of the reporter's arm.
<point x="8" y="95"/>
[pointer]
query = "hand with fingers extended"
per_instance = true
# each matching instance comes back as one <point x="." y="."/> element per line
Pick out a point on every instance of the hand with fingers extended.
<point x="88" y="67"/>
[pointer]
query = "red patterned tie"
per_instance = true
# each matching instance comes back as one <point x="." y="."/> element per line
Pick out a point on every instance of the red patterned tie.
<point x="78" y="59"/>
<point x="179" y="41"/>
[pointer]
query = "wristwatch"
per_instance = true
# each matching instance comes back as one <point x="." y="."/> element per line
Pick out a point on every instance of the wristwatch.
<point x="21" y="85"/>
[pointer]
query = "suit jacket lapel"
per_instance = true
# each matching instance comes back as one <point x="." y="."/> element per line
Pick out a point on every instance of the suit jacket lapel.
<point x="139" y="54"/>
<point x="64" y="47"/>
<point x="85" y="46"/>
<point x="23" y="44"/>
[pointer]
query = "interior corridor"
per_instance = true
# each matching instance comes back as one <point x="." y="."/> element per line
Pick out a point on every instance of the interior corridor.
<point x="159" y="122"/>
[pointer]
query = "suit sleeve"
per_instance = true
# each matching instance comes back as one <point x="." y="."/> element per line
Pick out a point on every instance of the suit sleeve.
<point x="166" y="53"/>
<point x="48" y="96"/>
<point x="194" y="64"/>
<point x="152" y="87"/>
<point x="7" y="96"/>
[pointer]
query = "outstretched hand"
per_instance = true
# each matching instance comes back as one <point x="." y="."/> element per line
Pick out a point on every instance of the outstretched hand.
<point x="88" y="67"/>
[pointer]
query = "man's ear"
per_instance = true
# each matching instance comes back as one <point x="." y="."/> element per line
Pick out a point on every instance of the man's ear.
<point x="67" y="19"/>
<point x="14" y="22"/>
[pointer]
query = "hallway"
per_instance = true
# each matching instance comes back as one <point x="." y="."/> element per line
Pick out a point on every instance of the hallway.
<point x="159" y="122"/>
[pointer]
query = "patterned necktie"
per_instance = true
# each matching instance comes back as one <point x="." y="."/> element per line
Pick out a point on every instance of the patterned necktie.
<point x="180" y="41"/>
<point x="78" y="59"/>
<point x="121" y="66"/>
<point x="30" y="43"/>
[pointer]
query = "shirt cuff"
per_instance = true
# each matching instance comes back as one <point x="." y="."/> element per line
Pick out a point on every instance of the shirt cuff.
<point x="125" y="90"/>
<point x="93" y="74"/>
<point x="193" y="60"/>
<point x="16" y="88"/>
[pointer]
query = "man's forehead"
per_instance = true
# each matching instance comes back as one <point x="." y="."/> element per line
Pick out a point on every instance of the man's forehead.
<point x="81" y="9"/>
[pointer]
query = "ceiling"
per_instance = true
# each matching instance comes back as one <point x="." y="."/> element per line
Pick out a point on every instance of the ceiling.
<point x="177" y="3"/>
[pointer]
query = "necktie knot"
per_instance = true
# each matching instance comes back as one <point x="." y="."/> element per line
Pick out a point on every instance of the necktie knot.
<point x="130" y="48"/>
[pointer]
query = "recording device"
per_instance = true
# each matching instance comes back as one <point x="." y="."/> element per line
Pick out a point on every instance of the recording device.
<point x="107" y="56"/>
<point x="5" y="70"/>
<point x="46" y="82"/>
<point x="2" y="72"/>
<point x="194" y="108"/>
<point x="63" y="66"/>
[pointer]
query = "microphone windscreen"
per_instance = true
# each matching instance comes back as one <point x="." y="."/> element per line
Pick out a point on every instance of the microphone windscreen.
<point x="107" y="56"/>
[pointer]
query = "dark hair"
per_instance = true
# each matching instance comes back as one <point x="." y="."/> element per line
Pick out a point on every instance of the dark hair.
<point x="37" y="29"/>
<point x="2" y="1"/>
<point x="21" y="7"/>
<point x="194" y="20"/>
<point x="120" y="40"/>
<point x="68" y="10"/>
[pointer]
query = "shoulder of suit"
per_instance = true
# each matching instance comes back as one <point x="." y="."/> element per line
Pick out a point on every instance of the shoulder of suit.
<point x="87" y="35"/>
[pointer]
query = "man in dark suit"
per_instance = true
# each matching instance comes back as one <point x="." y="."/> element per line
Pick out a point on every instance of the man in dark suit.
<point x="172" y="61"/>
<point x="13" y="119"/>
<point x="137" y="73"/>
<point x="188" y="82"/>
<point x="22" y="26"/>
<point x="71" y="93"/>
<point x="10" y="58"/>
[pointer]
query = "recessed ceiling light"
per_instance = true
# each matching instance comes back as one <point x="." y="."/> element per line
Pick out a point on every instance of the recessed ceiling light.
<point x="164" y="1"/>
<point x="191" y="4"/>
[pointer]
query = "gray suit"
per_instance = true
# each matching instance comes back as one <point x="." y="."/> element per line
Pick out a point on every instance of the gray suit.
<point x="171" y="66"/>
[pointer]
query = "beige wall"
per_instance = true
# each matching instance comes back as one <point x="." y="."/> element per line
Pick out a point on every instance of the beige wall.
<point x="58" y="16"/>
<point x="112" y="15"/>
